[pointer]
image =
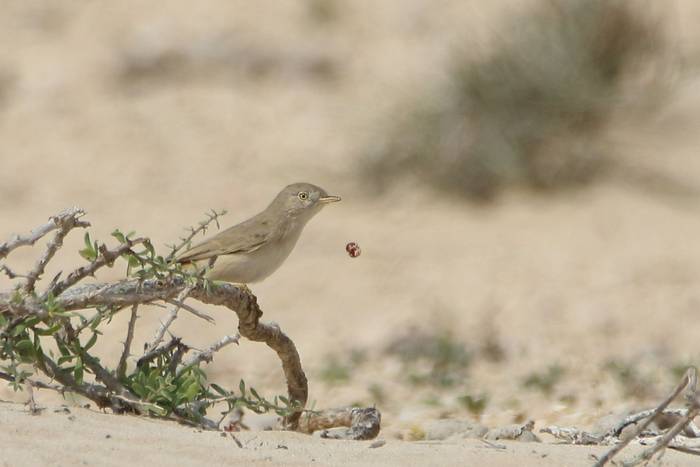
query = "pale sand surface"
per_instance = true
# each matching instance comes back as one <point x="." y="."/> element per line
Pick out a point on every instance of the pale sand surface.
<point x="604" y="274"/>
<point x="92" y="438"/>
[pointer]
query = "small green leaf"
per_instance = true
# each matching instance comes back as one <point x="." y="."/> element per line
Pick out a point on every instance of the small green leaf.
<point x="191" y="391"/>
<point x="88" y="254"/>
<point x="149" y="247"/>
<point x="91" y="342"/>
<point x="24" y="346"/>
<point x="119" y="236"/>
<point x="138" y="389"/>
<point x="65" y="358"/>
<point x="29" y="322"/>
<point x="78" y="371"/>
<point x="219" y="389"/>
<point x="90" y="250"/>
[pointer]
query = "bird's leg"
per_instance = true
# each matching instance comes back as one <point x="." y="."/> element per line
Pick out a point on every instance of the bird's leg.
<point x="244" y="288"/>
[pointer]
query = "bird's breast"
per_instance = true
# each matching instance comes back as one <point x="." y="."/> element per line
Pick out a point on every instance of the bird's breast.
<point x="254" y="266"/>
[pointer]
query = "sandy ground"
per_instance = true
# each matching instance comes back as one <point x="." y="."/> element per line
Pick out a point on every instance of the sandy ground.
<point x="105" y="440"/>
<point x="600" y="283"/>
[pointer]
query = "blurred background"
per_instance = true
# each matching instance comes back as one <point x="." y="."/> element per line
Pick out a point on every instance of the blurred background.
<point x="522" y="177"/>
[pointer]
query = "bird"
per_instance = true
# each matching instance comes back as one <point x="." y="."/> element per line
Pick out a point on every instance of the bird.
<point x="251" y="251"/>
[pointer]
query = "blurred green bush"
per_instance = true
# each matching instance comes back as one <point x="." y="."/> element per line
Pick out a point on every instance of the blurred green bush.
<point x="531" y="111"/>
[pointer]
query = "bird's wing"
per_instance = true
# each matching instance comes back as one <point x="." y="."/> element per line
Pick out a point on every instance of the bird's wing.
<point x="245" y="237"/>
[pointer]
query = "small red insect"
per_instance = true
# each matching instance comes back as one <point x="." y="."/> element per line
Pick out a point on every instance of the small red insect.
<point x="353" y="249"/>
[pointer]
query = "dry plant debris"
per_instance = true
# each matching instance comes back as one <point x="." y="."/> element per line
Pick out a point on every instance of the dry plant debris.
<point x="677" y="437"/>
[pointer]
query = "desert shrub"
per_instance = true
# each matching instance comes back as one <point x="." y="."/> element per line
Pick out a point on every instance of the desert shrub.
<point x="47" y="336"/>
<point x="435" y="358"/>
<point x="532" y="111"/>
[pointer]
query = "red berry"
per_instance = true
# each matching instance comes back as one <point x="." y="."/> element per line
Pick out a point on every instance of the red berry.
<point x="353" y="249"/>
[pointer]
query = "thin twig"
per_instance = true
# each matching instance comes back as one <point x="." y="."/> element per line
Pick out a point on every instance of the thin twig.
<point x="175" y="343"/>
<point x="105" y="257"/>
<point x="616" y="430"/>
<point x="202" y="227"/>
<point x="208" y="354"/>
<point x="54" y="222"/>
<point x="687" y="379"/>
<point x="121" y="367"/>
<point x="138" y="402"/>
<point x="192" y="310"/>
<point x="10" y="273"/>
<point x="233" y="437"/>
<point x="89" y="322"/>
<point x="112" y="384"/>
<point x="37" y="384"/>
<point x="65" y="225"/>
<point x="33" y="408"/>
<point x="164" y="325"/>
<point x="665" y="440"/>
<point x="94" y="392"/>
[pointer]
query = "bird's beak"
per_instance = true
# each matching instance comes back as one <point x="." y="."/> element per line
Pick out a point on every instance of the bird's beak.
<point x="329" y="199"/>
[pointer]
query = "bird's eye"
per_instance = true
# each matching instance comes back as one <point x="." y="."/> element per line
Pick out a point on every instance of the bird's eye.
<point x="303" y="196"/>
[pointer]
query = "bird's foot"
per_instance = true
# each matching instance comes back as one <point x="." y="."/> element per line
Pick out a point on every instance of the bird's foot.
<point x="244" y="288"/>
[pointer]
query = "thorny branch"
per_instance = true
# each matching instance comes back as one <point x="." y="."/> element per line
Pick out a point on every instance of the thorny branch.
<point x="160" y="333"/>
<point x="208" y="354"/>
<point x="121" y="367"/>
<point x="67" y="295"/>
<point x="212" y="216"/>
<point x="69" y="215"/>
<point x="64" y="227"/>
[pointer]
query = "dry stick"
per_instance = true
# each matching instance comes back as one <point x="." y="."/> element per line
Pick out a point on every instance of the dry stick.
<point x="693" y="410"/>
<point x="688" y="378"/>
<point x="362" y="423"/>
<point x="202" y="227"/>
<point x="68" y="215"/>
<point x="10" y="273"/>
<point x="33" y="408"/>
<point x="106" y="257"/>
<point x="96" y="393"/>
<point x="65" y="225"/>
<point x="666" y="438"/>
<point x="692" y="431"/>
<point x="164" y="325"/>
<point x="175" y="343"/>
<point x="99" y="315"/>
<point x="121" y="367"/>
<point x="634" y="418"/>
<point x="192" y="310"/>
<point x="208" y="354"/>
<point x="112" y="384"/>
<point x="34" y="383"/>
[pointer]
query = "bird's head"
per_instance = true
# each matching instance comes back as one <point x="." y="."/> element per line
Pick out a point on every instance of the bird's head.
<point x="303" y="199"/>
